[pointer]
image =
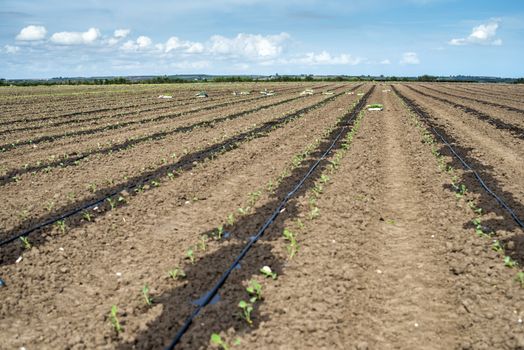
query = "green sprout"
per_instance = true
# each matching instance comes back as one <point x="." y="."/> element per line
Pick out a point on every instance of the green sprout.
<point x="92" y="187"/>
<point x="147" y="297"/>
<point x="253" y="197"/>
<point x="49" y="205"/>
<point x="266" y="271"/>
<point x="247" y="308"/>
<point x="114" y="319"/>
<point x="112" y="203"/>
<point x="216" y="339"/>
<point x="220" y="232"/>
<point x="242" y="211"/>
<point x="314" y="213"/>
<point x="190" y="255"/>
<point x="231" y="219"/>
<point x="254" y="290"/>
<point x="292" y="247"/>
<point x="324" y="178"/>
<point x="202" y="243"/>
<point x="61" y="225"/>
<point x="509" y="262"/>
<point x="86" y="216"/>
<point x="478" y="227"/>
<point x="497" y="246"/>
<point x="177" y="273"/>
<point x="25" y="242"/>
<point x="520" y="278"/>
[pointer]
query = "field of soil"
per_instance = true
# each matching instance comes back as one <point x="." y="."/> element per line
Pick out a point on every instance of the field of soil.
<point x="130" y="221"/>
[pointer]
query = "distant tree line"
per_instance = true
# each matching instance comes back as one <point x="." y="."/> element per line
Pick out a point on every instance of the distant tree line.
<point x="233" y="79"/>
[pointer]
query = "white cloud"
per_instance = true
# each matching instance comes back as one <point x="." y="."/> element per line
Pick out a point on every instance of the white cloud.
<point x="482" y="34"/>
<point x="143" y="42"/>
<point x="121" y="33"/>
<point x="32" y="33"/>
<point x="254" y="46"/>
<point x="11" y="49"/>
<point x="174" y="43"/>
<point x="325" y="58"/>
<point x="386" y="61"/>
<point x="140" y="44"/>
<point x="410" y="58"/>
<point x="76" y="38"/>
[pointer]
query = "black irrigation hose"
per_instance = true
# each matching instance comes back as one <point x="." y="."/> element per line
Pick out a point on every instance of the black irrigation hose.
<point x="211" y="294"/>
<point x="466" y="166"/>
<point x="96" y="202"/>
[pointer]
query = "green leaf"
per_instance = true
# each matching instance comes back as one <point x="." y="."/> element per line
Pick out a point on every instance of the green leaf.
<point x="216" y="339"/>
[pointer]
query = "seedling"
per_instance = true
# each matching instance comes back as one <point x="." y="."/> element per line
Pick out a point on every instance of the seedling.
<point x="220" y="232"/>
<point x="190" y="255"/>
<point x="292" y="247"/>
<point x="266" y="271"/>
<point x="145" y="293"/>
<point x="216" y="339"/>
<point x="49" y="205"/>
<point x="314" y="213"/>
<point x="25" y="242"/>
<point x="114" y="319"/>
<point x="497" y="246"/>
<point x="253" y="197"/>
<point x="509" y="262"/>
<point x="520" y="278"/>
<point x="247" y="308"/>
<point x="92" y="187"/>
<point x="177" y="273"/>
<point x="61" y="225"/>
<point x="242" y="211"/>
<point x="255" y="291"/>
<point x="231" y="219"/>
<point x="460" y="190"/>
<point x="23" y="214"/>
<point x="478" y="227"/>
<point x="202" y="244"/>
<point x="86" y="216"/>
<point x="112" y="203"/>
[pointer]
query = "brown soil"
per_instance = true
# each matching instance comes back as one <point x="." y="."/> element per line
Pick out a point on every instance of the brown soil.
<point x="392" y="262"/>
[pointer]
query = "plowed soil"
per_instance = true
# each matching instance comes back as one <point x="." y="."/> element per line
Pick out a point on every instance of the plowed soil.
<point x="388" y="257"/>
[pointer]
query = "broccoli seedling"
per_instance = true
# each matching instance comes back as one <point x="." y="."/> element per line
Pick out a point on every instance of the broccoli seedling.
<point x="247" y="308"/>
<point x="147" y="297"/>
<point x="177" y="273"/>
<point x="25" y="242"/>
<point x="266" y="271"/>
<point x="190" y="255"/>
<point x="254" y="290"/>
<point x="509" y="262"/>
<point x="520" y="278"/>
<point x="292" y="247"/>
<point x="216" y="339"/>
<point x="114" y="319"/>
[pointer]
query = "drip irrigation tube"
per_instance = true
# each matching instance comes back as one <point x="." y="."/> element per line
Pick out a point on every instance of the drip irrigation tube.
<point x="466" y="166"/>
<point x="213" y="292"/>
<point x="96" y="202"/>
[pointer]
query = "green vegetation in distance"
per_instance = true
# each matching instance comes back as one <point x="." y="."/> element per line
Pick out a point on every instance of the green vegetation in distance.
<point x="203" y="78"/>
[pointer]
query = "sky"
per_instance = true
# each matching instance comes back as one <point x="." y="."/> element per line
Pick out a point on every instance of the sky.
<point x="56" y="38"/>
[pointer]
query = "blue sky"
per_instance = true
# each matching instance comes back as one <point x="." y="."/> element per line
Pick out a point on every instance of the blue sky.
<point x="44" y="39"/>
